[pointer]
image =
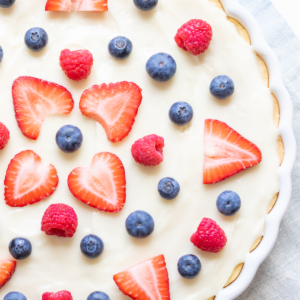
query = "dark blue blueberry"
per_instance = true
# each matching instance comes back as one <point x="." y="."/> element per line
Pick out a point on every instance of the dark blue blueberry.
<point x="228" y="203"/>
<point x="145" y="4"/>
<point x="222" y="87"/>
<point x="1" y="54"/>
<point x="139" y="224"/>
<point x="15" y="296"/>
<point x="69" y="138"/>
<point x="161" y="67"/>
<point x="98" y="296"/>
<point x="91" y="246"/>
<point x="189" y="266"/>
<point x="7" y="3"/>
<point x="120" y="47"/>
<point x="168" y="188"/>
<point x="181" y="113"/>
<point x="20" y="248"/>
<point x="36" y="39"/>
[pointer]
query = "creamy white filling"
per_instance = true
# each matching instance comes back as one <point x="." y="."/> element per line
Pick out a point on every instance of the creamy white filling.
<point x="57" y="263"/>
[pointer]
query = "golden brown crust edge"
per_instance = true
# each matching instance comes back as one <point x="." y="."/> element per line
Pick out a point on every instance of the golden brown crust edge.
<point x="265" y="75"/>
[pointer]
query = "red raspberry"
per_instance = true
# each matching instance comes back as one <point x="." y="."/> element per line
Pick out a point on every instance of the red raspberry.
<point x="77" y="65"/>
<point x="194" y="36"/>
<point x="62" y="295"/>
<point x="60" y="220"/>
<point x="4" y="136"/>
<point x="148" y="150"/>
<point x="209" y="236"/>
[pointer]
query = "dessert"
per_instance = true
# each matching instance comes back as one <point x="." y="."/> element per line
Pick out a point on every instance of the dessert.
<point x="56" y="263"/>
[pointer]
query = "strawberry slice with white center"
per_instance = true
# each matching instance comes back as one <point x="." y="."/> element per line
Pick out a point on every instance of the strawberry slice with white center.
<point x="28" y="180"/>
<point x="7" y="269"/>
<point x="101" y="185"/>
<point x="114" y="106"/>
<point x="148" y="280"/>
<point x="34" y="99"/>
<point x="226" y="152"/>
<point x="76" y="5"/>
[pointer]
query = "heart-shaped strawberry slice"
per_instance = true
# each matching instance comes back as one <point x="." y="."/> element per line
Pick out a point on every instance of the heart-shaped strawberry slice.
<point x="102" y="184"/>
<point x="114" y="106"/>
<point x="28" y="180"/>
<point x="34" y="99"/>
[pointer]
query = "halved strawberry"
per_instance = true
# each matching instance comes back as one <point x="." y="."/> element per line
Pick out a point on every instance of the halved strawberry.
<point x="76" y="5"/>
<point x="148" y="280"/>
<point x="28" y="180"/>
<point x="114" y="106"/>
<point x="102" y="184"/>
<point x="7" y="269"/>
<point x="226" y="152"/>
<point x="34" y="99"/>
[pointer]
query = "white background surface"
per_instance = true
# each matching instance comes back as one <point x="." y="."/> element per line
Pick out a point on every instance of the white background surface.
<point x="290" y="10"/>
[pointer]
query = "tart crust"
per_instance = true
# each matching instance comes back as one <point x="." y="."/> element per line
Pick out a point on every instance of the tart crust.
<point x="265" y="75"/>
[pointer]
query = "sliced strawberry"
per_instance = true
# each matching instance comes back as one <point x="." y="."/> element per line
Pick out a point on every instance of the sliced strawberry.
<point x="34" y="99"/>
<point x="226" y="152"/>
<point x="102" y="184"/>
<point x="148" y="280"/>
<point x="7" y="269"/>
<point x="28" y="180"/>
<point x="76" y="5"/>
<point x="114" y="106"/>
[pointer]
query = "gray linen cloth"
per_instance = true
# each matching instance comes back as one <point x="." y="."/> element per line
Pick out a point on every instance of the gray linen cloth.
<point x="278" y="277"/>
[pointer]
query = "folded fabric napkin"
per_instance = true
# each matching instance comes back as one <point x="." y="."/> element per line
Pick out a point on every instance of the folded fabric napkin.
<point x="278" y="277"/>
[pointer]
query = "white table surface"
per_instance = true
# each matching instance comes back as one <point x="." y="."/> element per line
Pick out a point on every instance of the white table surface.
<point x="290" y="10"/>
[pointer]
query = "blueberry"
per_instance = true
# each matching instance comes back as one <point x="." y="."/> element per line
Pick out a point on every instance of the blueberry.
<point x="69" y="138"/>
<point x="14" y="296"/>
<point x="120" y="47"/>
<point x="139" y="224"/>
<point x="181" y="113"/>
<point x="98" y="296"/>
<point x="228" y="203"/>
<point x="168" y="188"/>
<point x="36" y="39"/>
<point x="91" y="246"/>
<point x="20" y="248"/>
<point x="189" y="266"/>
<point x="145" y="4"/>
<point x="1" y="54"/>
<point x="7" y="3"/>
<point x="222" y="87"/>
<point x="161" y="67"/>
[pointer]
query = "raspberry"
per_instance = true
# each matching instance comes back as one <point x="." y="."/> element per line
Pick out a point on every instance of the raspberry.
<point x="62" y="295"/>
<point x="209" y="236"/>
<point x="194" y="36"/>
<point x="148" y="150"/>
<point x="4" y="136"/>
<point x="77" y="65"/>
<point x="60" y="220"/>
